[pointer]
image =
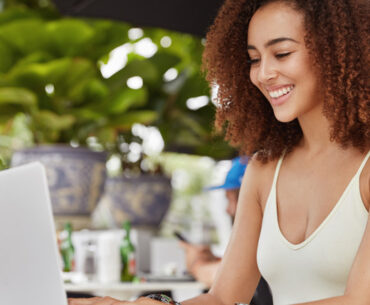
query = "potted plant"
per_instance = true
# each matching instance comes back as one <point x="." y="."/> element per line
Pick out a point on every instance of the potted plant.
<point x="52" y="84"/>
<point x="57" y="87"/>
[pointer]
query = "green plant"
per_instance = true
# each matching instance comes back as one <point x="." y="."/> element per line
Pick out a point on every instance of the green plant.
<point x="52" y="72"/>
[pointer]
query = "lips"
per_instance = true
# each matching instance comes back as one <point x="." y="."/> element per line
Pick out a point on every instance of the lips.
<point x="279" y="94"/>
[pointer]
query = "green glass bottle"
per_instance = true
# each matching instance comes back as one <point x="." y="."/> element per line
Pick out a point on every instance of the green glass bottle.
<point x="66" y="248"/>
<point x="127" y="250"/>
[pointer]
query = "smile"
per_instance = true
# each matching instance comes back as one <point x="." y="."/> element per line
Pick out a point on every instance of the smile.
<point x="280" y="92"/>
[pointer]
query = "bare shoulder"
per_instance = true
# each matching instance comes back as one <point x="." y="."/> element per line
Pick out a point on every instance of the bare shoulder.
<point x="262" y="175"/>
<point x="260" y="169"/>
<point x="365" y="184"/>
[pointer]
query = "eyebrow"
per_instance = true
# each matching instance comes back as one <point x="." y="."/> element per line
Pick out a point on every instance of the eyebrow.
<point x="272" y="42"/>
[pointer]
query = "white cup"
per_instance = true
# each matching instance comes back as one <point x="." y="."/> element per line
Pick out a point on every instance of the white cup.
<point x="108" y="257"/>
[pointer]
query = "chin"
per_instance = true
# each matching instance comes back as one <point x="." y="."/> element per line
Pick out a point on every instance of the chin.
<point x="284" y="117"/>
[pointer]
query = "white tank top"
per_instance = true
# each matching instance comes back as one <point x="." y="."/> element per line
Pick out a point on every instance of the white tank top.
<point x="318" y="267"/>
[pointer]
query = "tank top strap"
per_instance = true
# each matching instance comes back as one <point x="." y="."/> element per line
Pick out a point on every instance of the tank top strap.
<point x="363" y="164"/>
<point x="270" y="212"/>
<point x="277" y="170"/>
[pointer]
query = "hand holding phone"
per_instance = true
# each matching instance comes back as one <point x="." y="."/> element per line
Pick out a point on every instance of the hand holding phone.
<point x="180" y="236"/>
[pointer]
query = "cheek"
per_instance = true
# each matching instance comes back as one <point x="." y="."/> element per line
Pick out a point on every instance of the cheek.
<point x="300" y="67"/>
<point x="306" y="75"/>
<point x="253" y="76"/>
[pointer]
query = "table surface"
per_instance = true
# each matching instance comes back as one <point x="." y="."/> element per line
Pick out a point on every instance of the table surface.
<point x="130" y="291"/>
<point x="134" y="287"/>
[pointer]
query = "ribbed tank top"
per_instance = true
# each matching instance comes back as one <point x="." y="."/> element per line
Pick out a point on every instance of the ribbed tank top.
<point x="318" y="267"/>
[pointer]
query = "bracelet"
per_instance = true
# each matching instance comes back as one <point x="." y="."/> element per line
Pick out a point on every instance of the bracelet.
<point x="162" y="298"/>
<point x="167" y="300"/>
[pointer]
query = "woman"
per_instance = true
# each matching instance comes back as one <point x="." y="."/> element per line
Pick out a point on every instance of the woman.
<point x="303" y="212"/>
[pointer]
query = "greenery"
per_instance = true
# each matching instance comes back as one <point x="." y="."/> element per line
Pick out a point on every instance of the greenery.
<point x="53" y="88"/>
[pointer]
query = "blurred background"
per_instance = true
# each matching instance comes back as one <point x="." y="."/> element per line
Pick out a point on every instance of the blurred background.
<point x="111" y="98"/>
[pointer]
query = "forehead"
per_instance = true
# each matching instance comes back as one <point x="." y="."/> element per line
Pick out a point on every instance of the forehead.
<point x="274" y="20"/>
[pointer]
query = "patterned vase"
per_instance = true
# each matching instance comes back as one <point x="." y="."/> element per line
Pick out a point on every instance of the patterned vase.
<point x="76" y="176"/>
<point x="143" y="200"/>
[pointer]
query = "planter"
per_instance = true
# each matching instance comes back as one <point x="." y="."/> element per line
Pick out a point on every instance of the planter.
<point x="143" y="200"/>
<point x="76" y="176"/>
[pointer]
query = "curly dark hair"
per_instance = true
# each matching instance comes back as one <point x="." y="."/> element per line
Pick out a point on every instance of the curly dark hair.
<point x="337" y="37"/>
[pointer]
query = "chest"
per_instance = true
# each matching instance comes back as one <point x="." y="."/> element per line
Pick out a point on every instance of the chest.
<point x="316" y="268"/>
<point x="306" y="195"/>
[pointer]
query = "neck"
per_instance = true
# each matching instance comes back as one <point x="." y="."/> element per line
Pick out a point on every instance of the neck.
<point x="316" y="134"/>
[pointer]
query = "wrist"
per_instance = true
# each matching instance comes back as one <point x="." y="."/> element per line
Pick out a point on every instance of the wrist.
<point x="162" y="298"/>
<point x="199" y="263"/>
<point x="194" y="265"/>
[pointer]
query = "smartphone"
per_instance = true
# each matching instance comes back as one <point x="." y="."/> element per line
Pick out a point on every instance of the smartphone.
<point x="180" y="236"/>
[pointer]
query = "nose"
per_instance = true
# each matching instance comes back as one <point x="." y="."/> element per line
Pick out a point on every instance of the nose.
<point x="266" y="71"/>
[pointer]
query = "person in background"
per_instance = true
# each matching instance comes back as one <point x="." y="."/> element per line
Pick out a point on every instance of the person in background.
<point x="200" y="261"/>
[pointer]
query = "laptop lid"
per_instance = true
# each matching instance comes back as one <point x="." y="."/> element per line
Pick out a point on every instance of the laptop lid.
<point x="29" y="270"/>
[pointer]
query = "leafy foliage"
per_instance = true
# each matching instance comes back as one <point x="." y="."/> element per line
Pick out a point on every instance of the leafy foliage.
<point x="51" y="71"/>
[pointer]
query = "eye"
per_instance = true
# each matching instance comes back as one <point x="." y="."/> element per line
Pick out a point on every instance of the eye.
<point x="253" y="61"/>
<point x="282" y="55"/>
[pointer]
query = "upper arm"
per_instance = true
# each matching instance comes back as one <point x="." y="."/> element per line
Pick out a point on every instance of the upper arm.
<point x="359" y="278"/>
<point x="238" y="275"/>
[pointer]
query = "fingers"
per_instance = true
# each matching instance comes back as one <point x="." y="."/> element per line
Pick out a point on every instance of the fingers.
<point x="80" y="301"/>
<point x="193" y="247"/>
<point x="184" y="245"/>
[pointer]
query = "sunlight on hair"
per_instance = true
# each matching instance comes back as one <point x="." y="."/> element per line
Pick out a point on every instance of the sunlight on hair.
<point x="214" y="91"/>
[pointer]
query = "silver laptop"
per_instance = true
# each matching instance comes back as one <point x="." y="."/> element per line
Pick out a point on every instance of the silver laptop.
<point x="29" y="269"/>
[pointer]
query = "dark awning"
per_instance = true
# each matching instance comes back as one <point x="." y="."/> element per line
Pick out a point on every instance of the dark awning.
<point x="188" y="16"/>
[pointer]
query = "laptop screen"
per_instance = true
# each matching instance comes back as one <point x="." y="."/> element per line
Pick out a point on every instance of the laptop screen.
<point x="29" y="270"/>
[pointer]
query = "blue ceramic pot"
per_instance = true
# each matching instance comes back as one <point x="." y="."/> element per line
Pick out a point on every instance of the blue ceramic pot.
<point x="76" y="176"/>
<point x="143" y="200"/>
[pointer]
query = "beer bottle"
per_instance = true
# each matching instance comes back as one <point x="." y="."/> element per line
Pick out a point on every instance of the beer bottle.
<point x="67" y="249"/>
<point x="127" y="250"/>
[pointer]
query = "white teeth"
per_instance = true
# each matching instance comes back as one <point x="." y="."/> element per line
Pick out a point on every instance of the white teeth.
<point x="280" y="92"/>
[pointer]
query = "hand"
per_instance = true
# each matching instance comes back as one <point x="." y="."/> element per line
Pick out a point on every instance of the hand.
<point x="196" y="254"/>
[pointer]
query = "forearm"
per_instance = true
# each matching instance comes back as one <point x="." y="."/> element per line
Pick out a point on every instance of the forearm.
<point x="146" y="301"/>
<point x="203" y="299"/>
<point x="205" y="272"/>
<point x="341" y="300"/>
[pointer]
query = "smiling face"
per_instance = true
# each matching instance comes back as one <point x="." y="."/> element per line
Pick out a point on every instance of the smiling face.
<point x="281" y="67"/>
